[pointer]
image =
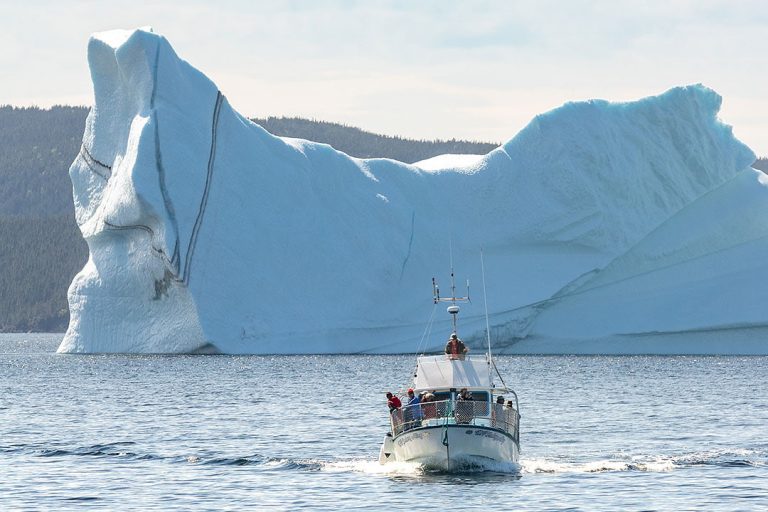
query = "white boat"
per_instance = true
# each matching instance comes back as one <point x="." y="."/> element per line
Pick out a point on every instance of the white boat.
<point x="452" y="430"/>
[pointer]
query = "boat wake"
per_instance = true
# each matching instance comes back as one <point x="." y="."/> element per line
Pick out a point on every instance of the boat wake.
<point x="372" y="466"/>
<point x="533" y="466"/>
<point x="466" y="466"/>
<point x="656" y="463"/>
<point x="128" y="451"/>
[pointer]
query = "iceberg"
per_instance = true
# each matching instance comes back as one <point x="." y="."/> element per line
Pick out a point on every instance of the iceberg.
<point x="633" y="227"/>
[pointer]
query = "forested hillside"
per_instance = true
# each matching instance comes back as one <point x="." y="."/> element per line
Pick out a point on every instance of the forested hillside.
<point x="39" y="258"/>
<point x="36" y="148"/>
<point x="356" y="142"/>
<point x="41" y="247"/>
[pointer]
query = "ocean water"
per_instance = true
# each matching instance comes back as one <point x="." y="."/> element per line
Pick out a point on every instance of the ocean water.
<point x="121" y="432"/>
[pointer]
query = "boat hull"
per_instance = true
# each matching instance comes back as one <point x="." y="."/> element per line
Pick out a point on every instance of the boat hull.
<point x="453" y="446"/>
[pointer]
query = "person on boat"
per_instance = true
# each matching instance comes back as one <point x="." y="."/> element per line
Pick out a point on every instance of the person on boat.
<point x="393" y="402"/>
<point x="395" y="412"/>
<point x="498" y="418"/>
<point x="412" y="411"/>
<point x="455" y="348"/>
<point x="511" y="416"/>
<point x="465" y="407"/>
<point x="428" y="407"/>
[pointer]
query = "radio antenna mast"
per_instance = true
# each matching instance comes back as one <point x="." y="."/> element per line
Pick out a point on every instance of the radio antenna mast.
<point x="453" y="309"/>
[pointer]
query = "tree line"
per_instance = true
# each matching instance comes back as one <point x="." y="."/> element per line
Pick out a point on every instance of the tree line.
<point x="361" y="144"/>
<point x="39" y="256"/>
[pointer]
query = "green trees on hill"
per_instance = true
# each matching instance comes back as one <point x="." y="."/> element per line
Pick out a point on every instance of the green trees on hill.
<point x="36" y="148"/>
<point x="362" y="144"/>
<point x="39" y="256"/>
<point x="40" y="246"/>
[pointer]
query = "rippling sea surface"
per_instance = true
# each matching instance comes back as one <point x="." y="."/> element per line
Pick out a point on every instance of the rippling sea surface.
<point x="303" y="432"/>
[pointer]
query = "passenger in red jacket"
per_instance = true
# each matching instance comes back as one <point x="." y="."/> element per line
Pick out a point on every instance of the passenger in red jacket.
<point x="393" y="402"/>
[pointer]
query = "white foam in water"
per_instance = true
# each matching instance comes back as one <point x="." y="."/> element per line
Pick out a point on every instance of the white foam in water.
<point x="373" y="467"/>
<point x="412" y="468"/>
<point x="724" y="457"/>
<point x="483" y="465"/>
<point x="551" y="466"/>
<point x="607" y="228"/>
<point x="658" y="463"/>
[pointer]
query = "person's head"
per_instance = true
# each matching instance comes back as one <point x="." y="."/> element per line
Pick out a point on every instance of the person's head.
<point x="389" y="395"/>
<point x="500" y="400"/>
<point x="410" y="392"/>
<point x="454" y="337"/>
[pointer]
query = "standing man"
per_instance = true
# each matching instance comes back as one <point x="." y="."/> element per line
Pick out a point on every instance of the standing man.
<point x="455" y="348"/>
<point x="394" y="405"/>
<point x="412" y="411"/>
<point x="393" y="402"/>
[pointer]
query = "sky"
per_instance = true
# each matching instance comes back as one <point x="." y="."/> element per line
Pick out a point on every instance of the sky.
<point x="467" y="69"/>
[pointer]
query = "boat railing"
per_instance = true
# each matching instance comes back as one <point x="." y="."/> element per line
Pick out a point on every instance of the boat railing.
<point x="456" y="412"/>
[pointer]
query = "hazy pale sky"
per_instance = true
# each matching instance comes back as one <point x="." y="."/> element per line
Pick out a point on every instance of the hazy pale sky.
<point x="476" y="69"/>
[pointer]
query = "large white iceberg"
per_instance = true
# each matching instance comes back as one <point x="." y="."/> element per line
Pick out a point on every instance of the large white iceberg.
<point x="606" y="227"/>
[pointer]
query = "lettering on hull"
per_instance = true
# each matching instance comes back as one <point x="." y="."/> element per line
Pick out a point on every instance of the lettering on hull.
<point x="489" y="435"/>
<point x="403" y="440"/>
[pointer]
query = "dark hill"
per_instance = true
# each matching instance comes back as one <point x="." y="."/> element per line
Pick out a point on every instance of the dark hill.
<point x="362" y="144"/>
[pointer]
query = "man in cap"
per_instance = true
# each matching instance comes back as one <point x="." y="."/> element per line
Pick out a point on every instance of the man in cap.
<point x="412" y="411"/>
<point x="455" y="348"/>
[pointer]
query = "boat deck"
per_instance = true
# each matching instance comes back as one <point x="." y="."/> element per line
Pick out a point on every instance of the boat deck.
<point x="456" y="412"/>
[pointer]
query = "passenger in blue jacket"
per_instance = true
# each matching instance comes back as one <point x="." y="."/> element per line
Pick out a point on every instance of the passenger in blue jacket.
<point x="412" y="411"/>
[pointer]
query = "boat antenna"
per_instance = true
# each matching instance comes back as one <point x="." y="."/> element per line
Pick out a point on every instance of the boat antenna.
<point x="453" y="309"/>
<point x="485" y="299"/>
